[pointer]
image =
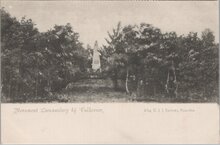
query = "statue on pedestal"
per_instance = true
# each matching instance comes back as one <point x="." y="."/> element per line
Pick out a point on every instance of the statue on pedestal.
<point x="96" y="63"/>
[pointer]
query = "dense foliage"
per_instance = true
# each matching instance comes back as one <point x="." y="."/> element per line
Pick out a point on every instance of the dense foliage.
<point x="38" y="64"/>
<point x="139" y="59"/>
<point x="142" y="56"/>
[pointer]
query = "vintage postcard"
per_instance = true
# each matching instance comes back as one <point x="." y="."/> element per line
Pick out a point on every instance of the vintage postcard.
<point x="109" y="72"/>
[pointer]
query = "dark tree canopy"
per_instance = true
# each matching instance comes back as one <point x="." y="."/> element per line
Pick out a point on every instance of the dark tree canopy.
<point x="36" y="65"/>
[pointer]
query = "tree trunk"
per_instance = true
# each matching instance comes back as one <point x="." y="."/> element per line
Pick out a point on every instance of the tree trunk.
<point x="9" y="88"/>
<point x="21" y="70"/>
<point x="171" y="85"/>
<point x="49" y="81"/>
<point x="115" y="83"/>
<point x="154" y="89"/>
<point x="115" y="80"/>
<point x="126" y="82"/>
<point x="138" y="82"/>
<point x="36" y="81"/>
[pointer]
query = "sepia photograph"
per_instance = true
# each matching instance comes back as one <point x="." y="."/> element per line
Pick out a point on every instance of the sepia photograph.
<point x="76" y="51"/>
<point x="106" y="72"/>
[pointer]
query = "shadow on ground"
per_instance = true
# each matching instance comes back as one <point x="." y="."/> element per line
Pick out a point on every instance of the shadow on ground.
<point x="101" y="91"/>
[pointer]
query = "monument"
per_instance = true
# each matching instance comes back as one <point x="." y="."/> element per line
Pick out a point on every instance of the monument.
<point x="96" y="64"/>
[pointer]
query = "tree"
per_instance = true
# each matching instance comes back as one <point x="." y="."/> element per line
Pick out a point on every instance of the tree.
<point x="16" y="39"/>
<point x="37" y="65"/>
<point x="113" y="55"/>
<point x="147" y="60"/>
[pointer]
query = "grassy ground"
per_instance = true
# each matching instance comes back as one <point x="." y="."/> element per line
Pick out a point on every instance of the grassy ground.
<point x="94" y="90"/>
<point x="101" y="91"/>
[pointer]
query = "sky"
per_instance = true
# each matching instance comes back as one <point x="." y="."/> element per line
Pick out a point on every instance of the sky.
<point x="92" y="20"/>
